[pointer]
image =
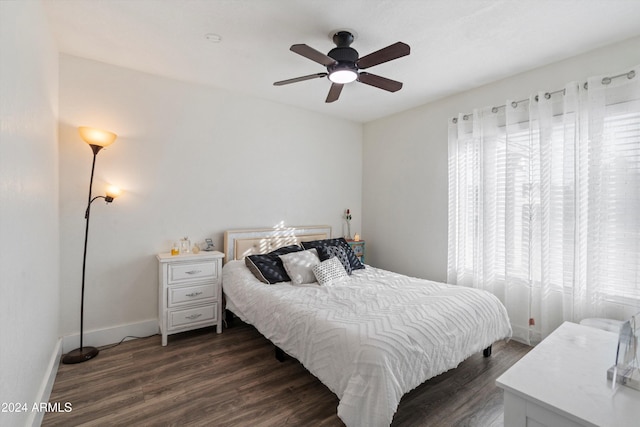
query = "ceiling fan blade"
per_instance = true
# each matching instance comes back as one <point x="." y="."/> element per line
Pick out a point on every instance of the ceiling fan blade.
<point x="394" y="51"/>
<point x="300" y="79"/>
<point x="379" y="82"/>
<point x="312" y="54"/>
<point x="334" y="92"/>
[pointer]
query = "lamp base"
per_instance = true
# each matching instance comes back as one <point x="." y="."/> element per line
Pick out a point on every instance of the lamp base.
<point x="80" y="355"/>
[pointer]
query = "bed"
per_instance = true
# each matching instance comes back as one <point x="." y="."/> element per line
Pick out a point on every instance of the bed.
<point x="371" y="337"/>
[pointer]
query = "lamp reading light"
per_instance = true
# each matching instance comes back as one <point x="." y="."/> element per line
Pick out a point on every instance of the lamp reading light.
<point x="343" y="76"/>
<point x="111" y="193"/>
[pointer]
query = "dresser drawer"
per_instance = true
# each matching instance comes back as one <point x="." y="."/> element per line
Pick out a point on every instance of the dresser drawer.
<point x="192" y="271"/>
<point x="179" y="318"/>
<point x="187" y="294"/>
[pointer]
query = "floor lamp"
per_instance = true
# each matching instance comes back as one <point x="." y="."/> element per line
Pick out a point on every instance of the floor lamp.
<point x="97" y="140"/>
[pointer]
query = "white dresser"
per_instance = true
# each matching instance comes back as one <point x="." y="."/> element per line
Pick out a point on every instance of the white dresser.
<point x="562" y="382"/>
<point x="190" y="292"/>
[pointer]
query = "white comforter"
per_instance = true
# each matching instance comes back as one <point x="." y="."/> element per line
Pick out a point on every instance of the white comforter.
<point x="372" y="338"/>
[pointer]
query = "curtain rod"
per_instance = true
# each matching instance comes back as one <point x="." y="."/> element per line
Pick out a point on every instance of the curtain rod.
<point x="605" y="81"/>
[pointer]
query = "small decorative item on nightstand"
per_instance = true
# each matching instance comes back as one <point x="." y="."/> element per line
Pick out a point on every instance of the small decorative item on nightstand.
<point x="626" y="371"/>
<point x="347" y="218"/>
<point x="358" y="248"/>
<point x="210" y="245"/>
<point x="185" y="245"/>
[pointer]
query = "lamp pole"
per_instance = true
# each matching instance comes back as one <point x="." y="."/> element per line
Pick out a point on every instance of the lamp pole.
<point x="84" y="353"/>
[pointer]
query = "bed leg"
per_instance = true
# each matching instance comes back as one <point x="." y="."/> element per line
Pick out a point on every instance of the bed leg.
<point x="280" y="355"/>
<point x="486" y="352"/>
<point x="228" y="317"/>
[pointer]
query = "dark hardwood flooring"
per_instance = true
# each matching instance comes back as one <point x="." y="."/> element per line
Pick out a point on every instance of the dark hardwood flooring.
<point x="233" y="379"/>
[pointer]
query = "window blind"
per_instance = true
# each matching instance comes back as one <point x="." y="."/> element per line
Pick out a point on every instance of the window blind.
<point x="614" y="205"/>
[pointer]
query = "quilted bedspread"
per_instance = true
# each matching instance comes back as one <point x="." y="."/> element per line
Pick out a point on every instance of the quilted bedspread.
<point x="372" y="338"/>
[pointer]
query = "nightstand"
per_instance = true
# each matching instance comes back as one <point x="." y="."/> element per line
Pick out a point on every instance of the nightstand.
<point x="189" y="292"/>
<point x="358" y="248"/>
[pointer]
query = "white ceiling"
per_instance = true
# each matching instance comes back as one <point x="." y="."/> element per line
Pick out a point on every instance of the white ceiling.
<point x="455" y="44"/>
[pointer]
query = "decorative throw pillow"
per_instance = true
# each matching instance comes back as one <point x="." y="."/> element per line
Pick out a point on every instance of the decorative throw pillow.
<point x="326" y="252"/>
<point x="298" y="266"/>
<point x="329" y="272"/>
<point x="354" y="262"/>
<point x="268" y="268"/>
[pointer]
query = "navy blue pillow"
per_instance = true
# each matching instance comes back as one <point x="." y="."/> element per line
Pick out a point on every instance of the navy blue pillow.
<point x="268" y="268"/>
<point x="326" y="252"/>
<point x="341" y="242"/>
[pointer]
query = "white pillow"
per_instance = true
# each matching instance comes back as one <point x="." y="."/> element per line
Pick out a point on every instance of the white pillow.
<point x="330" y="271"/>
<point x="298" y="265"/>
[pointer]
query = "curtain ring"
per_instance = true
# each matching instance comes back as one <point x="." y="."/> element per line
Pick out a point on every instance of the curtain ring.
<point x="606" y="80"/>
<point x="631" y="74"/>
<point x="494" y="110"/>
<point x="536" y="98"/>
<point x="514" y="104"/>
<point x="455" y="120"/>
<point x="547" y="95"/>
<point x="465" y="117"/>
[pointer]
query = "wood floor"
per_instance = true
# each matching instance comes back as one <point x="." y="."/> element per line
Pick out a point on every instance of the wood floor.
<point x="233" y="379"/>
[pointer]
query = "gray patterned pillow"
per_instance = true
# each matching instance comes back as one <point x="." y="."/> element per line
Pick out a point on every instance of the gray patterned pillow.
<point x="298" y="265"/>
<point x="329" y="272"/>
<point x="326" y="252"/>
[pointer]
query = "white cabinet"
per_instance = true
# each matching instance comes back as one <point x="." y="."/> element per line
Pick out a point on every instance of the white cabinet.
<point x="189" y="292"/>
<point x="562" y="382"/>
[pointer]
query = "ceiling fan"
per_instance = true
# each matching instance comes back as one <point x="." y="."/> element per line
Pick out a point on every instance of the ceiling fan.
<point x="343" y="64"/>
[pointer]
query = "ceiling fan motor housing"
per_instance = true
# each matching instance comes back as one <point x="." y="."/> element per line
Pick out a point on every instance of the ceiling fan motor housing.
<point x="345" y="57"/>
<point x="344" y="54"/>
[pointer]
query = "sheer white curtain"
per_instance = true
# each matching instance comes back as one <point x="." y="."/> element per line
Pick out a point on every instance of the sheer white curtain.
<point x="544" y="204"/>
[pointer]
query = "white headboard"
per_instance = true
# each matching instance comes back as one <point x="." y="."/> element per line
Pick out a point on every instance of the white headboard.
<point x="240" y="243"/>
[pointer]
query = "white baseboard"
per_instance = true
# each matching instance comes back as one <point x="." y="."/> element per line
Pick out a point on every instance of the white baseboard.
<point x="112" y="335"/>
<point x="36" y="417"/>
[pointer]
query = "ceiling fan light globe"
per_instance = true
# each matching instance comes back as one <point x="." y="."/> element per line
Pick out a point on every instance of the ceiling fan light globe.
<point x="343" y="76"/>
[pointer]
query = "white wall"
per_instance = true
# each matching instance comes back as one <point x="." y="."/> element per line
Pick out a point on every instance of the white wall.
<point x="29" y="262"/>
<point x="192" y="161"/>
<point x="405" y="187"/>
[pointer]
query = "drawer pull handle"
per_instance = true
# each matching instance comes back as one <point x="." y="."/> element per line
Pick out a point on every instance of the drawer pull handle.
<point x="194" y="271"/>
<point x="193" y="316"/>
<point x="194" y="294"/>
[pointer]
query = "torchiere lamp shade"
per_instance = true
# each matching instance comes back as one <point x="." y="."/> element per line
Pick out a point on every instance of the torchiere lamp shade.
<point x="92" y="136"/>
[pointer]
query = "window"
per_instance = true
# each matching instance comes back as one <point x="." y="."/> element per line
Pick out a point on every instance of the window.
<point x="544" y="203"/>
